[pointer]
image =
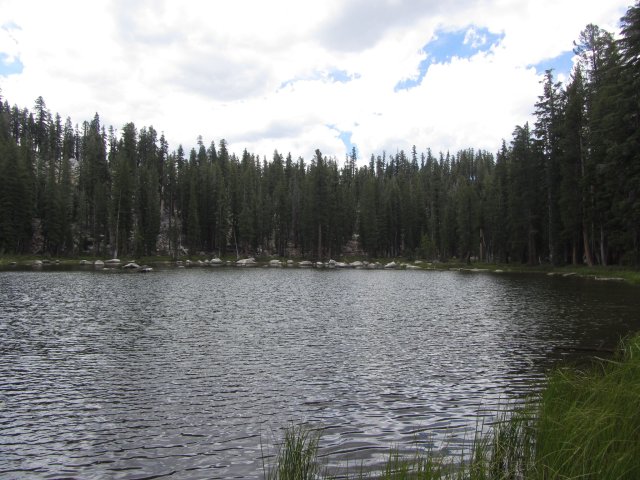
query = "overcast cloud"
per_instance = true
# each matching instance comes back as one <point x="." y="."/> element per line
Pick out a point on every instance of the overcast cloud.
<point x="295" y="75"/>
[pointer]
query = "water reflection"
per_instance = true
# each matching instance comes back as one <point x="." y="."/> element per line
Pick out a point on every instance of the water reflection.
<point x="190" y="371"/>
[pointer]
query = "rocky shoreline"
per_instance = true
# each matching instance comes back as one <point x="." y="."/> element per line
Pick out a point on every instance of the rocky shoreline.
<point x="131" y="265"/>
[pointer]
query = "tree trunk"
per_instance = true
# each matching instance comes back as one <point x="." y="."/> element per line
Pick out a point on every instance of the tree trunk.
<point x="532" y="246"/>
<point x="603" y="249"/>
<point x="115" y="250"/>
<point x="587" y="250"/>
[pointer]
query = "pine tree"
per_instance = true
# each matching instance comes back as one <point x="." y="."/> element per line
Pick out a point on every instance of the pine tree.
<point x="548" y="132"/>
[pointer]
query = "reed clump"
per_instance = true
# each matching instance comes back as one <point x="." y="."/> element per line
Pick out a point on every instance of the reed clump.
<point x="297" y="456"/>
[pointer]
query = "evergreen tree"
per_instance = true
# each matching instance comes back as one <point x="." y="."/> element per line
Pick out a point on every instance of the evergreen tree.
<point x="574" y="185"/>
<point x="548" y="132"/>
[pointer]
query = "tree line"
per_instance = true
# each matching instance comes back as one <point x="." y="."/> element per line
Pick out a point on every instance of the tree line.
<point x="563" y="190"/>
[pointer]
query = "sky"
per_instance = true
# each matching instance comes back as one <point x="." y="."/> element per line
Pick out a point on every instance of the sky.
<point x="296" y="75"/>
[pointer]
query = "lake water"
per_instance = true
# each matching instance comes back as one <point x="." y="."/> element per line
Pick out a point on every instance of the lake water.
<point x="191" y="373"/>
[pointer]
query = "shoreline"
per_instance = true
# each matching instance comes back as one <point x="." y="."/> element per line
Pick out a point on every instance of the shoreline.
<point x="600" y="273"/>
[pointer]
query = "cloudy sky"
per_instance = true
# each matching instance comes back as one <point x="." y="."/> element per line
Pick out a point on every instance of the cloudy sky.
<point x="296" y="75"/>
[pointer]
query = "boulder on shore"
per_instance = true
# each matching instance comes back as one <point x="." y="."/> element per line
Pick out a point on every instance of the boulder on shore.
<point x="131" y="266"/>
<point x="305" y="264"/>
<point x="391" y="265"/>
<point x="246" y="262"/>
<point x="98" y="264"/>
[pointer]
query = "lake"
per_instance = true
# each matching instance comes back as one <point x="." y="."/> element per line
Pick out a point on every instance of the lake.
<point x="192" y="373"/>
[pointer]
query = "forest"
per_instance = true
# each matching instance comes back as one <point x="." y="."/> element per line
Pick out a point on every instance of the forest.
<point x="564" y="190"/>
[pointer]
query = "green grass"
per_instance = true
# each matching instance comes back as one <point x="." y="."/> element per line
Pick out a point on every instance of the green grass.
<point x="589" y="422"/>
<point x="297" y="456"/>
<point x="585" y="424"/>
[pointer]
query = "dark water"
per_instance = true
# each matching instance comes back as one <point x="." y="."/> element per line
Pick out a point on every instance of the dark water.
<point x="192" y="373"/>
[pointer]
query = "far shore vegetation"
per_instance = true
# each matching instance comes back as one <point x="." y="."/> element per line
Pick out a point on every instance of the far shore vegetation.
<point x="584" y="424"/>
<point x="611" y="273"/>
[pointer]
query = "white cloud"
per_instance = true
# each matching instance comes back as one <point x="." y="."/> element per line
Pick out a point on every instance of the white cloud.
<point x="259" y="73"/>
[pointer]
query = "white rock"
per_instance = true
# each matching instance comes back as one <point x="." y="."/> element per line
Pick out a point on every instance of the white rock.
<point x="391" y="265"/>
<point x="305" y="264"/>
<point x="246" y="262"/>
<point x="131" y="266"/>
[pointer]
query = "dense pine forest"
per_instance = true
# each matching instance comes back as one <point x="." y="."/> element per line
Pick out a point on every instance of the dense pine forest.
<point x="563" y="190"/>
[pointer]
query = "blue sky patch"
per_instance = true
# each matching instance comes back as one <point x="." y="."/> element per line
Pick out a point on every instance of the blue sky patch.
<point x="562" y="64"/>
<point x="341" y="76"/>
<point x="346" y="139"/>
<point x="333" y="76"/>
<point x="9" y="65"/>
<point x="449" y="44"/>
<point x="461" y="43"/>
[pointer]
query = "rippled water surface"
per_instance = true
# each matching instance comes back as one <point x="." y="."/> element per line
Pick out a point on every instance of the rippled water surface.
<point x="192" y="373"/>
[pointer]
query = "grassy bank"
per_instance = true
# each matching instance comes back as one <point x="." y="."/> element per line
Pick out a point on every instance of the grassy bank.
<point x="583" y="425"/>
